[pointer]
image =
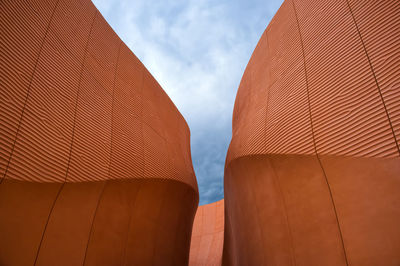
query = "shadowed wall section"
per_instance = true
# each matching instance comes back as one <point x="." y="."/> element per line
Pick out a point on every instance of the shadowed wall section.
<point x="312" y="174"/>
<point x="207" y="235"/>
<point x="95" y="163"/>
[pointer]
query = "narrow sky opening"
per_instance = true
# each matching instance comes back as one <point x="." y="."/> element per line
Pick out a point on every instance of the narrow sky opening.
<point x="197" y="50"/>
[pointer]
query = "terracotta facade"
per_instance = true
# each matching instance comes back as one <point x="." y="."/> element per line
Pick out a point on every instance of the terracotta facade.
<point x="312" y="175"/>
<point x="207" y="235"/>
<point x="95" y="159"/>
<point x="95" y="164"/>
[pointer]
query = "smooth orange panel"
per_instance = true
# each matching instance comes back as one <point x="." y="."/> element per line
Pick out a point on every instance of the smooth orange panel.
<point x="111" y="223"/>
<point x="293" y="221"/>
<point x="207" y="235"/>
<point x="269" y="203"/>
<point x="24" y="210"/>
<point x="174" y="232"/>
<point x="167" y="242"/>
<point x="160" y="226"/>
<point x="310" y="211"/>
<point x="67" y="231"/>
<point x="367" y="199"/>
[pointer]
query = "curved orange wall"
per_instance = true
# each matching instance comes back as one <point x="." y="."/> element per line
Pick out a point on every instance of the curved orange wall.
<point x="95" y="163"/>
<point x="207" y="235"/>
<point x="95" y="159"/>
<point x="313" y="170"/>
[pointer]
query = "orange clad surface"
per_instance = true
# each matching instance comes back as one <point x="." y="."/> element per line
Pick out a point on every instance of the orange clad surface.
<point x="207" y="235"/>
<point x="95" y="164"/>
<point x="312" y="175"/>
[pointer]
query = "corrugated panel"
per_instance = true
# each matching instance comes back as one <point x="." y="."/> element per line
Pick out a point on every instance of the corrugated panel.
<point x="152" y="104"/>
<point x="102" y="53"/>
<point x="348" y="116"/>
<point x="288" y="128"/>
<point x="156" y="158"/>
<point x="260" y="78"/>
<point x="241" y="101"/>
<point x="379" y="26"/>
<point x="127" y="144"/>
<point x="129" y="81"/>
<point x="284" y="42"/>
<point x="125" y="95"/>
<point x="253" y="134"/>
<point x="22" y="35"/>
<point x="332" y="82"/>
<point x="70" y="29"/>
<point x="72" y="23"/>
<point x="91" y="145"/>
<point x="42" y="148"/>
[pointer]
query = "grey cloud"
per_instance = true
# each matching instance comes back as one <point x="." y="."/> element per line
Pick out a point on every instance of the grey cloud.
<point x="197" y="50"/>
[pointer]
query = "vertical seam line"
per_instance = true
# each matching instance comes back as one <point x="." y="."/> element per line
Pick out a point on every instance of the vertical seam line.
<point x="375" y="78"/>
<point x="131" y="208"/>
<point x="29" y="90"/>
<point x="268" y="92"/>
<point x="313" y="137"/>
<point x="182" y="214"/>
<point x="109" y="167"/>
<point x="276" y="178"/>
<point x="278" y="183"/>
<point x="112" y="108"/>
<point x="72" y="140"/>
<point x="77" y="98"/>
<point x="260" y="227"/>
<point x="141" y="119"/>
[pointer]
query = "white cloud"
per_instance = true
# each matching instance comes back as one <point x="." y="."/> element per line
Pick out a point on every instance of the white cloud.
<point x="197" y="50"/>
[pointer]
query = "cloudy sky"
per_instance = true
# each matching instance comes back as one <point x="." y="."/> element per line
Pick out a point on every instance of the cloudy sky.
<point x="197" y="50"/>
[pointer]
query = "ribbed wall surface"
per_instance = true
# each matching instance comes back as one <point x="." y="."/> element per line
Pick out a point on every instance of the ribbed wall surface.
<point x="312" y="172"/>
<point x="207" y="235"/>
<point x="94" y="157"/>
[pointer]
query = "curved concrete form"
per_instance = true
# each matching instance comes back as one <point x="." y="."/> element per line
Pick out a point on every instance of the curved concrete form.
<point x="95" y="165"/>
<point x="95" y="162"/>
<point x="312" y="174"/>
<point x="207" y="235"/>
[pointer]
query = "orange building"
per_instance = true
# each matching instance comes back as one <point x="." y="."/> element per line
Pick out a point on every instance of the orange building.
<point x="312" y="174"/>
<point x="95" y="159"/>
<point x="95" y="165"/>
<point x="208" y="235"/>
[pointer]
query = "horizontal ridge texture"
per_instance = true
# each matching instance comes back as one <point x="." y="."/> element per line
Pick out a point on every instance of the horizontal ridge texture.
<point x="312" y="170"/>
<point x="95" y="162"/>
<point x="77" y="105"/>
<point x="311" y="87"/>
